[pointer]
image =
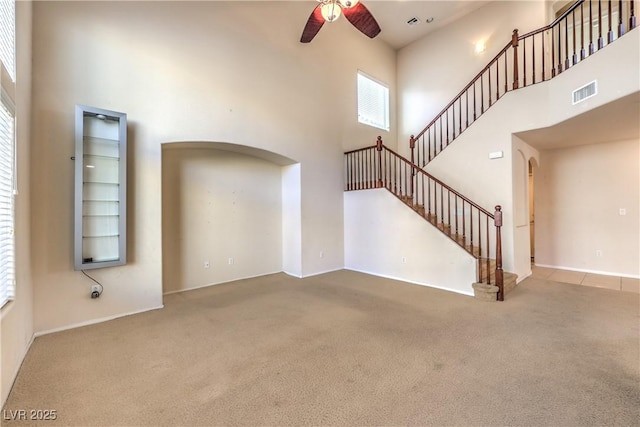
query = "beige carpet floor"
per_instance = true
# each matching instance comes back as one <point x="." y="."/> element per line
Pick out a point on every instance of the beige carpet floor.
<point x="346" y="348"/>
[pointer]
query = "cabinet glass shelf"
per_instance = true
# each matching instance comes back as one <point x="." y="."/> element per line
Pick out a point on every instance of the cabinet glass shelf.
<point x="100" y="188"/>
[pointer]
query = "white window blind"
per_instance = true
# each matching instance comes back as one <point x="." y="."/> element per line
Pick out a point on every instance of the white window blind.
<point x="7" y="150"/>
<point x="7" y="162"/>
<point x="373" y="102"/>
<point x="8" y="36"/>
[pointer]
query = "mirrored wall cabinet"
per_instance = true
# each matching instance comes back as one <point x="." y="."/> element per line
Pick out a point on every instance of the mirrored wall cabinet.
<point x="100" y="188"/>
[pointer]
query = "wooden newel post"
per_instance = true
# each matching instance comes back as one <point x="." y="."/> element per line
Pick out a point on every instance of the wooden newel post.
<point x="379" y="150"/>
<point x="514" y="43"/>
<point x="412" y="146"/>
<point x="499" y="273"/>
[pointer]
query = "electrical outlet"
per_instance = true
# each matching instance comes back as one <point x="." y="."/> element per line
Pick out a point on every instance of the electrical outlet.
<point x="206" y="264"/>
<point x="95" y="291"/>
<point x="230" y="261"/>
<point x="321" y="254"/>
<point x="598" y="253"/>
<point x="404" y="260"/>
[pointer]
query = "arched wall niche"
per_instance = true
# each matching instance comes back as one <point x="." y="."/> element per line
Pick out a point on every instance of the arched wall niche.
<point x="269" y="156"/>
<point x="229" y="212"/>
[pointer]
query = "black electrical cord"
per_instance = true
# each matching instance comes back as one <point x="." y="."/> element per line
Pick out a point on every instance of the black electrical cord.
<point x="97" y="283"/>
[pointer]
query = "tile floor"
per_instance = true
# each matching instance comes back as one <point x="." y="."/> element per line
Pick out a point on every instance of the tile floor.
<point x="624" y="284"/>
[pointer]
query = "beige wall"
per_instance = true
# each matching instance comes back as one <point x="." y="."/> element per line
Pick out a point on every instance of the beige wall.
<point x="384" y="237"/>
<point x="432" y="70"/>
<point x="16" y="325"/>
<point x="231" y="72"/>
<point x="218" y="205"/>
<point x="291" y="221"/>
<point x="579" y="192"/>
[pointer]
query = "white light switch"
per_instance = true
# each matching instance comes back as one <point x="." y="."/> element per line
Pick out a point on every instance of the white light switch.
<point x="623" y="211"/>
<point x="496" y="155"/>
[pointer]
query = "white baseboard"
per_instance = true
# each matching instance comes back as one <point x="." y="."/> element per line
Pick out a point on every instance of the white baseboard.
<point x="92" y="322"/>
<point x="297" y="276"/>
<point x="220" y="283"/>
<point x="529" y="274"/>
<point x="321" y="272"/>
<point x="413" y="282"/>
<point x="582" y="270"/>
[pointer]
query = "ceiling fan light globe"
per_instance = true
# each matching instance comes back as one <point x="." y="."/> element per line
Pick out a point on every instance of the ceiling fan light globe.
<point x="330" y="11"/>
<point x="348" y="3"/>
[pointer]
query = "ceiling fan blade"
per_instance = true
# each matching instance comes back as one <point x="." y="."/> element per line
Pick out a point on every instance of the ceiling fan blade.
<point x="362" y="19"/>
<point x="314" y="23"/>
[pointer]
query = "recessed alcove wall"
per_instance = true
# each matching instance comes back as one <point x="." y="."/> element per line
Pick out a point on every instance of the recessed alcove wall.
<point x="228" y="212"/>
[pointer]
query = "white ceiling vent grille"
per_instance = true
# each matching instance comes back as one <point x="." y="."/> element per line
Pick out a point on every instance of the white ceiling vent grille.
<point x="585" y="92"/>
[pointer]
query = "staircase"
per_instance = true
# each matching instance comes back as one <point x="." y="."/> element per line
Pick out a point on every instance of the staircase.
<point x="470" y="226"/>
<point x="525" y="60"/>
<point x="582" y="30"/>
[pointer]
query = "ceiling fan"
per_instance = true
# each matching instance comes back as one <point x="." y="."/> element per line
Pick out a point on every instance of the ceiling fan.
<point x="330" y="10"/>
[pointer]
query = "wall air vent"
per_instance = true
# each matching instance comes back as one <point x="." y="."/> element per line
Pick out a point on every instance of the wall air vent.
<point x="585" y="92"/>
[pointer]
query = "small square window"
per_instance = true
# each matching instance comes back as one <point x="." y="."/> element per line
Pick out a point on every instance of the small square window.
<point x="373" y="102"/>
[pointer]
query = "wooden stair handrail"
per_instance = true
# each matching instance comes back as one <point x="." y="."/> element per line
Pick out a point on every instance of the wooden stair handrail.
<point x="462" y="92"/>
<point x="360" y="149"/>
<point x="420" y="170"/>
<point x="566" y="13"/>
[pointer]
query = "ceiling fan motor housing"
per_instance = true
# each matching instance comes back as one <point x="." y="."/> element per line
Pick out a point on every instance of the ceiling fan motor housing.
<point x="330" y="10"/>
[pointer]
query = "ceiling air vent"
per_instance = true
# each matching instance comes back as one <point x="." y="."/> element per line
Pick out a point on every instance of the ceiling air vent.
<point x="413" y="21"/>
<point x="585" y="92"/>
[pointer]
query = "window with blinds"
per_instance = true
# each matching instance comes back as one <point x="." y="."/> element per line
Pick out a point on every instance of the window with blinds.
<point x="7" y="261"/>
<point x="7" y="151"/>
<point x="8" y="36"/>
<point x="373" y="102"/>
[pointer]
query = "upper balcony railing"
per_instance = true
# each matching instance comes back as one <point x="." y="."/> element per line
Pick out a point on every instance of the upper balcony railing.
<point x="583" y="29"/>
